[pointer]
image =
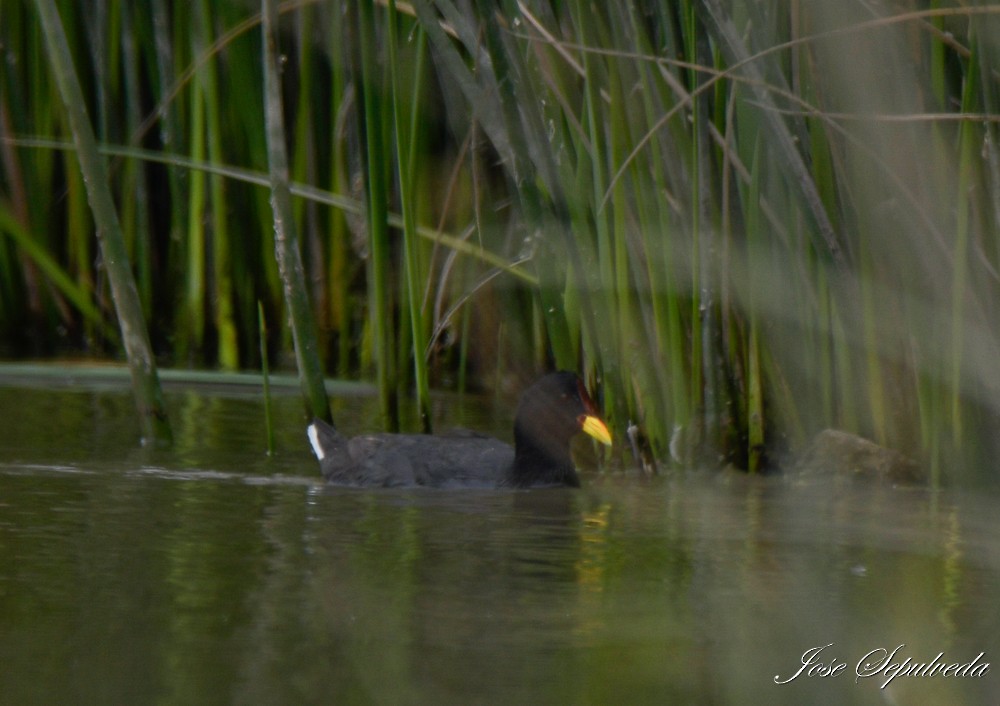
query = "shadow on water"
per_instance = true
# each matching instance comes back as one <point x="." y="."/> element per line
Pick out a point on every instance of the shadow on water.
<point x="213" y="574"/>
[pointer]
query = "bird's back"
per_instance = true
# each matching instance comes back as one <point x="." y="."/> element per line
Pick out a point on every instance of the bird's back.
<point x="456" y="460"/>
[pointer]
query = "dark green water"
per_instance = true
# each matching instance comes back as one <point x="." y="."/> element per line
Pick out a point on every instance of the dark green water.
<point x="212" y="574"/>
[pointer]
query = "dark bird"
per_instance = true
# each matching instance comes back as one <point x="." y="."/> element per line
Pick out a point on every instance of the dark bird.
<point x="550" y="413"/>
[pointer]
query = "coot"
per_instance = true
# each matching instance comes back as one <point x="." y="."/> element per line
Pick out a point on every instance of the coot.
<point x="549" y="414"/>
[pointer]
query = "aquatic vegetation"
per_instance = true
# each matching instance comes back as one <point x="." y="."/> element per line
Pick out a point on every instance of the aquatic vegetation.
<point x="747" y="221"/>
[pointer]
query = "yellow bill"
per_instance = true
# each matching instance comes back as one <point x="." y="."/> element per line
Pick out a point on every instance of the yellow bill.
<point x="592" y="426"/>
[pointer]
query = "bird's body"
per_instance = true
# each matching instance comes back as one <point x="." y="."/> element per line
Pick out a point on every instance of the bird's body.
<point x="409" y="459"/>
<point x="550" y="413"/>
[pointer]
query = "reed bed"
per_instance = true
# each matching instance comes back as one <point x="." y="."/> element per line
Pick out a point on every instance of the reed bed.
<point x="746" y="221"/>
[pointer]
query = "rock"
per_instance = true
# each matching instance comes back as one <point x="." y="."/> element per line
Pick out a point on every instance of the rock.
<point x="841" y="454"/>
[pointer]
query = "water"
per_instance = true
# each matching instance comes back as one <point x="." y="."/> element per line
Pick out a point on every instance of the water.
<point x="212" y="574"/>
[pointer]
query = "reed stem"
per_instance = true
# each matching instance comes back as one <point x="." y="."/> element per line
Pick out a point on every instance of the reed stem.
<point x="406" y="156"/>
<point x="378" y="265"/>
<point x="265" y="375"/>
<point x="286" y="241"/>
<point x="153" y="421"/>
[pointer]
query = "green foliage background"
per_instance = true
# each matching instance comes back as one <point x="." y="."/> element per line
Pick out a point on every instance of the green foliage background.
<point x="746" y="220"/>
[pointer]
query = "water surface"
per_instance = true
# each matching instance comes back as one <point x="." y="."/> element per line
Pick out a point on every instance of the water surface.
<point x="214" y="574"/>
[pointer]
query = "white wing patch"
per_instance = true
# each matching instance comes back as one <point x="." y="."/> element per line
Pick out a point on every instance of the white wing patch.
<point x="313" y="433"/>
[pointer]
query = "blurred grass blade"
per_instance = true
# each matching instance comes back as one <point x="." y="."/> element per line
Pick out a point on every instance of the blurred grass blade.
<point x="733" y="48"/>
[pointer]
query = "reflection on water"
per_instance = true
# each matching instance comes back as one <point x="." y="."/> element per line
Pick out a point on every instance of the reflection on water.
<point x="212" y="574"/>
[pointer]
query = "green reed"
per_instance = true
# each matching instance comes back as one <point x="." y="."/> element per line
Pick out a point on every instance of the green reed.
<point x="377" y="151"/>
<point x="303" y="325"/>
<point x="265" y="372"/>
<point x="406" y="141"/>
<point x="146" y="385"/>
